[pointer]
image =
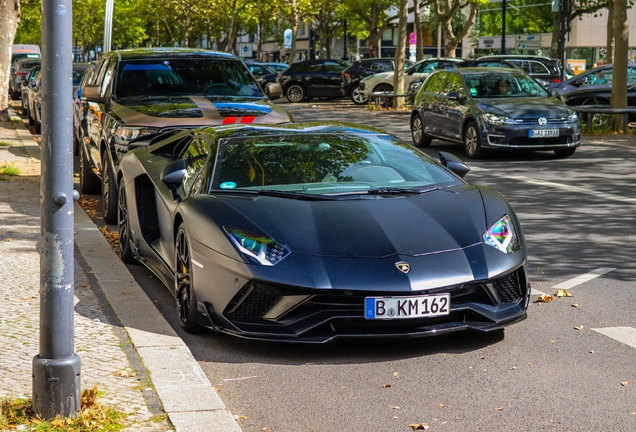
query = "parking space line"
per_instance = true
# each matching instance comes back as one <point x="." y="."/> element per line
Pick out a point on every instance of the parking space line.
<point x="583" y="278"/>
<point x="626" y="335"/>
<point x="604" y="195"/>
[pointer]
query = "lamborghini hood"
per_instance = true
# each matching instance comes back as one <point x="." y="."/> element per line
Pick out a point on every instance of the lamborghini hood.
<point x="197" y="111"/>
<point x="412" y="225"/>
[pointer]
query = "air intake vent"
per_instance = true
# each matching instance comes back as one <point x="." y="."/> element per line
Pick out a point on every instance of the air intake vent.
<point x="509" y="288"/>
<point x="252" y="301"/>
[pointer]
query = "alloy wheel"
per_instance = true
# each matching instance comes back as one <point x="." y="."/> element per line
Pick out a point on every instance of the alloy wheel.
<point x="123" y="224"/>
<point x="186" y="303"/>
<point x="295" y="93"/>
<point x="358" y="97"/>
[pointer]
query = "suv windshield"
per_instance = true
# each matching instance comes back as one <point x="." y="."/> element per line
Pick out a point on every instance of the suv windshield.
<point x="324" y="164"/>
<point x="500" y="85"/>
<point x="185" y="76"/>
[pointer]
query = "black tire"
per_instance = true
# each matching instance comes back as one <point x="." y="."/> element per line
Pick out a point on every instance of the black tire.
<point x="358" y="97"/>
<point x="472" y="141"/>
<point x="565" y="152"/>
<point x="123" y="225"/>
<point x="38" y="126"/>
<point x="295" y="93"/>
<point x="15" y="95"/>
<point x="183" y="283"/>
<point x="109" y="192"/>
<point x="89" y="182"/>
<point x="30" y="118"/>
<point x="417" y="132"/>
<point x="385" y="102"/>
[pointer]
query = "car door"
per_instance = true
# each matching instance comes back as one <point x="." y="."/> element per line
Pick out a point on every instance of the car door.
<point x="94" y="113"/>
<point x="312" y="77"/>
<point x="419" y="70"/>
<point x="453" y="111"/>
<point x="332" y="78"/>
<point x="431" y="95"/>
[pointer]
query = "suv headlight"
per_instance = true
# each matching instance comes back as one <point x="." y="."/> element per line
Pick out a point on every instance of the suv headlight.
<point x="495" y="119"/>
<point x="124" y="134"/>
<point x="573" y="117"/>
<point x="263" y="250"/>
<point x="502" y="236"/>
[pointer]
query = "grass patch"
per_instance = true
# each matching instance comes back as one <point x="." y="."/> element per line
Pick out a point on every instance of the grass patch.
<point x="17" y="414"/>
<point x="9" y="170"/>
<point x="4" y="144"/>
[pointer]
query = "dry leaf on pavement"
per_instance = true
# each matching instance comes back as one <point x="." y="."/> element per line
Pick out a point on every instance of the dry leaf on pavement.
<point x="394" y="407"/>
<point x="544" y="298"/>
<point x="28" y="298"/>
<point x="562" y="293"/>
<point x="579" y="327"/>
<point x="498" y="409"/>
<point x="419" y="426"/>
<point x="624" y="383"/>
<point x="575" y="305"/>
<point x="441" y="405"/>
<point x="386" y="385"/>
<point x="240" y="417"/>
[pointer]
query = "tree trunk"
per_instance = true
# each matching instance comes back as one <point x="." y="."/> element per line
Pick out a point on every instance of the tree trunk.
<point x="619" y="80"/>
<point x="419" y="43"/>
<point x="400" y="52"/>
<point x="453" y="41"/>
<point x="555" y="47"/>
<point x="9" y="20"/>
<point x="259" y="56"/>
<point x="609" y="49"/>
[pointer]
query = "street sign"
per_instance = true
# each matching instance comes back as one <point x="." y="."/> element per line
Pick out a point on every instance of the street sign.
<point x="529" y="45"/>
<point x="534" y="38"/>
<point x="287" y="38"/>
<point x="412" y="39"/>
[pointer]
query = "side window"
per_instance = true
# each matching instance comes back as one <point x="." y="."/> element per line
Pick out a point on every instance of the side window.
<point x="106" y="82"/>
<point x="195" y="156"/>
<point x="435" y="84"/>
<point x="538" y="68"/>
<point x="427" y="67"/>
<point x="99" y="75"/>
<point x="332" y="67"/>
<point x="631" y="75"/>
<point x="314" y="67"/>
<point x="455" y="84"/>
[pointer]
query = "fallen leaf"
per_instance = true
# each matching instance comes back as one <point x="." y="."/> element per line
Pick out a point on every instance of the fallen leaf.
<point x="8" y="239"/>
<point x="470" y="367"/>
<point x="240" y="417"/>
<point x="591" y="352"/>
<point x="624" y="383"/>
<point x="441" y="405"/>
<point x="562" y="293"/>
<point x="482" y="357"/>
<point x="126" y="292"/>
<point x="124" y="374"/>
<point x="544" y="298"/>
<point x="396" y="375"/>
<point x="634" y="413"/>
<point x="266" y="429"/>
<point x="579" y="327"/>
<point x="394" y="407"/>
<point x="28" y="298"/>
<point x="529" y="364"/>
<point x="575" y="305"/>
<point x="84" y="285"/>
<point x="395" y="417"/>
<point x="513" y="368"/>
<point x="499" y="409"/>
<point x="419" y="426"/>
<point x="386" y="385"/>
<point x="552" y="341"/>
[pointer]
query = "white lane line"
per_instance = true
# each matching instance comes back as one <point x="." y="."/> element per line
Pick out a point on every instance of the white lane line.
<point x="577" y="280"/>
<point x="626" y="335"/>
<point x="607" y="196"/>
<point x="583" y="278"/>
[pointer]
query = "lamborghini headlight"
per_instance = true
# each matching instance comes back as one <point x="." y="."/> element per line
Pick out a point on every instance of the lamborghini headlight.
<point x="502" y="236"/>
<point x="494" y="119"/>
<point x="125" y="134"/>
<point x="264" y="250"/>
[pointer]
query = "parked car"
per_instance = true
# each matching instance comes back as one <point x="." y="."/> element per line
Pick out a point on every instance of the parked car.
<point x="141" y="91"/>
<point x="599" y="95"/>
<point x="34" y="102"/>
<point x="415" y="85"/>
<point x="278" y="67"/>
<point x="541" y="67"/>
<point x="360" y="69"/>
<point x="383" y="82"/>
<point x="78" y="72"/>
<point x="20" y="51"/>
<point x="359" y="236"/>
<point x="19" y="70"/>
<point x="263" y="75"/>
<point x="307" y="79"/>
<point x="81" y="107"/>
<point x="492" y="109"/>
<point x="24" y="90"/>
<point x="598" y="78"/>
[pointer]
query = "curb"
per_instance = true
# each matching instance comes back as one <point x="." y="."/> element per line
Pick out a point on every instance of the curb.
<point x="32" y="148"/>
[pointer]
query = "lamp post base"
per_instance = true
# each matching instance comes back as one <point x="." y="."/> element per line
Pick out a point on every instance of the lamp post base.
<point x="56" y="386"/>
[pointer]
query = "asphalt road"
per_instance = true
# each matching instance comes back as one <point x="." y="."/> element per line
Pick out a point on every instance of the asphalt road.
<point x="539" y="375"/>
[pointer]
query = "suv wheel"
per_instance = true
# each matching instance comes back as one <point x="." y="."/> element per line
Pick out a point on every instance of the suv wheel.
<point x="358" y="97"/>
<point x="417" y="132"/>
<point x="89" y="182"/>
<point x="472" y="141"/>
<point x="295" y="93"/>
<point x="109" y="193"/>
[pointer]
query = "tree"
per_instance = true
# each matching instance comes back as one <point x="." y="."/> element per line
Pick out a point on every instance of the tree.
<point x="619" y="80"/>
<point x="577" y="9"/>
<point x="9" y="20"/>
<point x="400" y="49"/>
<point x="446" y="10"/>
<point x="373" y="13"/>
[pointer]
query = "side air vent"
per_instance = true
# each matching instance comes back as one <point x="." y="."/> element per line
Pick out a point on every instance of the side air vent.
<point x="147" y="209"/>
<point x="252" y="301"/>
<point x="509" y="288"/>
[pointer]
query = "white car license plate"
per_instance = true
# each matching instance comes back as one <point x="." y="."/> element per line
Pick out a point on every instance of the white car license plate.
<point x="541" y="133"/>
<point x="406" y="307"/>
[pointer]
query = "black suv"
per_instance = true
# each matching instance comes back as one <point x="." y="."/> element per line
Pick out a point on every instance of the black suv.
<point x="144" y="91"/>
<point x="543" y="68"/>
<point x="352" y="75"/>
<point x="307" y="79"/>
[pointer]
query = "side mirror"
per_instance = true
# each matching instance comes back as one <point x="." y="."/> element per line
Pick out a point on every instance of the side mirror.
<point x="456" y="96"/>
<point x="453" y="163"/>
<point x="92" y="94"/>
<point x="174" y="173"/>
<point x="580" y="81"/>
<point x="274" y="90"/>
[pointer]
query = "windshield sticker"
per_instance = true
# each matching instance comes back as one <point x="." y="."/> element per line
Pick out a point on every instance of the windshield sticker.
<point x="228" y="185"/>
<point x="473" y="91"/>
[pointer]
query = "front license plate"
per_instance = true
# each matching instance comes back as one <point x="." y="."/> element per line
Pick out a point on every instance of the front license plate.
<point x="406" y="307"/>
<point x="541" y="133"/>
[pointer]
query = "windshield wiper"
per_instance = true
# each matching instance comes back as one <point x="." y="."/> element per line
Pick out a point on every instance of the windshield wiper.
<point x="275" y="193"/>
<point x="397" y="190"/>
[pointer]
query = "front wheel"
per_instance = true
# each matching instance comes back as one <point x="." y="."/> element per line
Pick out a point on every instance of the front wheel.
<point x="295" y="93"/>
<point x="417" y="132"/>
<point x="472" y="141"/>
<point x="109" y="192"/>
<point x="358" y="97"/>
<point x="565" y="152"/>
<point x="184" y="289"/>
<point x="89" y="182"/>
<point x="123" y="224"/>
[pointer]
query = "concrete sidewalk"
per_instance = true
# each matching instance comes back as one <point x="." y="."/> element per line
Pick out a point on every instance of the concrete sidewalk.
<point x="127" y="349"/>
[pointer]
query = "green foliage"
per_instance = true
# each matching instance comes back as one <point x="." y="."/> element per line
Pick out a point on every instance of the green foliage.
<point x="519" y="20"/>
<point x="28" y="31"/>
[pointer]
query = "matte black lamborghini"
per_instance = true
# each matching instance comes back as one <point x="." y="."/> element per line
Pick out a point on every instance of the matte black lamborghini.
<point x="308" y="232"/>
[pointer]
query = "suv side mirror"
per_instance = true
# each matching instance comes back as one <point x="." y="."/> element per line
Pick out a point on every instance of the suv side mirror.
<point x="92" y="94"/>
<point x="456" y="96"/>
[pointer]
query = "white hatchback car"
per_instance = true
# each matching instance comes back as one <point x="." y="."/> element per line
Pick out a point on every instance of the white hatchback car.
<point x="383" y="82"/>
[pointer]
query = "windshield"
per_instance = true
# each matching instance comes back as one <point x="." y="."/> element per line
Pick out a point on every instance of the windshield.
<point x="185" y="76"/>
<point x="323" y="164"/>
<point x="503" y="85"/>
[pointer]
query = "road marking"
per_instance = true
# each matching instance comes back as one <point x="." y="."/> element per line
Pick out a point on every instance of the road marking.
<point x="626" y="335"/>
<point x="577" y="280"/>
<point x="595" y="193"/>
